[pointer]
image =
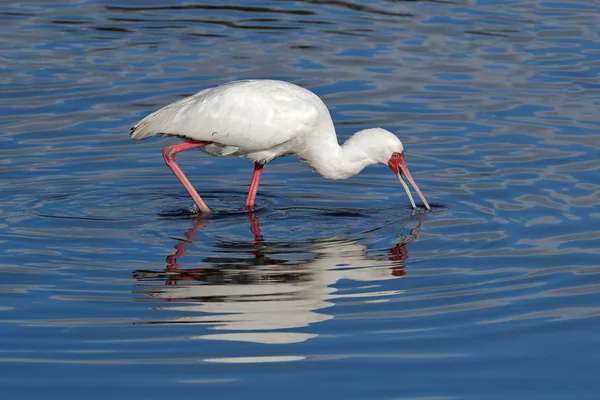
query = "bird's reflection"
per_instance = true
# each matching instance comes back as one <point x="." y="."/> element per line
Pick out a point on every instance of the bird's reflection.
<point x="257" y="290"/>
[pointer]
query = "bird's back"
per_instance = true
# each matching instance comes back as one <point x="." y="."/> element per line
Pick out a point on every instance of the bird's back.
<point x="253" y="115"/>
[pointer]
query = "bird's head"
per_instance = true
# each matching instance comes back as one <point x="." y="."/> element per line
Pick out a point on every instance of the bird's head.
<point x="384" y="147"/>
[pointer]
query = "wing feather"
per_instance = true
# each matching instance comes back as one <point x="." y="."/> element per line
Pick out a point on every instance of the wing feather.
<point x="248" y="115"/>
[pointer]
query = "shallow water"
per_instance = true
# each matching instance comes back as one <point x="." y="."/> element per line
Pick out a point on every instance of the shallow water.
<point x="109" y="288"/>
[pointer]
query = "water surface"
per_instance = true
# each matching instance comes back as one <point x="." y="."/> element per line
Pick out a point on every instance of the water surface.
<point x="109" y="288"/>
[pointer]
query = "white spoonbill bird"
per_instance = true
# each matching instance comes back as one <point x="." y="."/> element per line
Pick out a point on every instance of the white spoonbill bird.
<point x="266" y="119"/>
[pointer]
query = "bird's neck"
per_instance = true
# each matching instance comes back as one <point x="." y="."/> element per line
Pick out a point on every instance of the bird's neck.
<point x="333" y="161"/>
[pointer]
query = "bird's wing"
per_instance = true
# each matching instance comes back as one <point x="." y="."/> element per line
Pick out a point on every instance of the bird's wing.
<point x="250" y="115"/>
<point x="228" y="150"/>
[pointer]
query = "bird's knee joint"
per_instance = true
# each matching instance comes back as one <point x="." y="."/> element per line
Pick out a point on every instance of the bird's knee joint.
<point x="168" y="153"/>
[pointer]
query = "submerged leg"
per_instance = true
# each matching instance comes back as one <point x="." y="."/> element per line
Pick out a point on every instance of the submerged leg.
<point x="255" y="227"/>
<point x="254" y="185"/>
<point x="169" y="155"/>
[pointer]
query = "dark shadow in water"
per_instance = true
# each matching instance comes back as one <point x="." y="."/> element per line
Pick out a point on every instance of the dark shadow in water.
<point x="249" y="9"/>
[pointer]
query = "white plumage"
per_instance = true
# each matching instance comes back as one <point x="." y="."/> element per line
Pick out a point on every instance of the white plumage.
<point x="265" y="119"/>
<point x="260" y="119"/>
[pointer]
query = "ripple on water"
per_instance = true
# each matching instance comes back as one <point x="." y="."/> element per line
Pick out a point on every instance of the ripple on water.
<point x="106" y="270"/>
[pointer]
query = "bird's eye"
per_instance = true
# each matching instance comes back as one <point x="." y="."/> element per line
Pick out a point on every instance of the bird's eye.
<point x="395" y="155"/>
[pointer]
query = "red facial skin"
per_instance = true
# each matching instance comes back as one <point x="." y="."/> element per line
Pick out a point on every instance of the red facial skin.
<point x="399" y="167"/>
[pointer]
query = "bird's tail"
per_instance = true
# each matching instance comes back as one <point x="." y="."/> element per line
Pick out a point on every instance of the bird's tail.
<point x="145" y="128"/>
<point x="166" y="121"/>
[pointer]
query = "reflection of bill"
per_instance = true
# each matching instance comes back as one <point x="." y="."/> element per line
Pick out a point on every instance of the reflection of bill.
<point x="266" y="294"/>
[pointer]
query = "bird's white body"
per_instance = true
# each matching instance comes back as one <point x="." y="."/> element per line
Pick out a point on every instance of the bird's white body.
<point x="257" y="119"/>
<point x="263" y="120"/>
<point x="266" y="119"/>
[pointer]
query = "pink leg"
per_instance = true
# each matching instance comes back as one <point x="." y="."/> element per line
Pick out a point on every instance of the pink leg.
<point x="255" y="227"/>
<point x="258" y="167"/>
<point x="169" y="155"/>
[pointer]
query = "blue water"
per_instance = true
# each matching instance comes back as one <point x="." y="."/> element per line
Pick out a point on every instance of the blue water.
<point x="109" y="289"/>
